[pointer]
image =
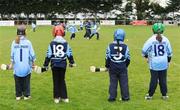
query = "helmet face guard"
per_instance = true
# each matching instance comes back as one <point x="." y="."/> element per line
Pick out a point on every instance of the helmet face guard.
<point x="158" y="28"/>
<point x="119" y="34"/>
<point x="21" y="32"/>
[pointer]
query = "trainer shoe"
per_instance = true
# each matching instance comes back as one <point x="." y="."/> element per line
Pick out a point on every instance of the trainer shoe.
<point x="27" y="97"/>
<point x="147" y="97"/>
<point x="165" y="97"/>
<point x="65" y="100"/>
<point x="56" y="100"/>
<point x="111" y="100"/>
<point x="18" y="98"/>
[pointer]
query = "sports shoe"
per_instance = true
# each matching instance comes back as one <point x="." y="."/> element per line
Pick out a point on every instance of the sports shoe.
<point x="111" y="100"/>
<point x="147" y="97"/>
<point x="18" y="98"/>
<point x="165" y="97"/>
<point x="56" y="100"/>
<point x="65" y="100"/>
<point x="27" y="97"/>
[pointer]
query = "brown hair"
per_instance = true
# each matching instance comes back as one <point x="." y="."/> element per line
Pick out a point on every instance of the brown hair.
<point x="17" y="40"/>
<point x="159" y="38"/>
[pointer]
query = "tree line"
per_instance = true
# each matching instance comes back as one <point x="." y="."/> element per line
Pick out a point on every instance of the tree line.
<point x="49" y="8"/>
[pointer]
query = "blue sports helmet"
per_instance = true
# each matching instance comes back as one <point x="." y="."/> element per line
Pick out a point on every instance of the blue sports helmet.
<point x="119" y="34"/>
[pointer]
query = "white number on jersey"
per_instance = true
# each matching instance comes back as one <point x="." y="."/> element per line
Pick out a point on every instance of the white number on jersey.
<point x="58" y="50"/>
<point x="119" y="55"/>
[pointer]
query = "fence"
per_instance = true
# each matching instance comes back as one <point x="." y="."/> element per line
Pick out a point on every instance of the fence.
<point x="77" y="22"/>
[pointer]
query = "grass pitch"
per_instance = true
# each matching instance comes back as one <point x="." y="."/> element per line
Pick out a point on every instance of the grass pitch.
<point x="86" y="90"/>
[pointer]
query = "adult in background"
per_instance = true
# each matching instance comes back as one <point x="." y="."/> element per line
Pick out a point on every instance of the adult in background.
<point x="157" y="51"/>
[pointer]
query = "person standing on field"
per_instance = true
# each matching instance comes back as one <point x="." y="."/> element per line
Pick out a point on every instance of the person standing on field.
<point x="117" y="62"/>
<point x="88" y="30"/>
<point x="157" y="51"/>
<point x="72" y="29"/>
<point x="94" y="30"/>
<point x="33" y="25"/>
<point x="81" y="25"/>
<point x="58" y="51"/>
<point x="22" y="62"/>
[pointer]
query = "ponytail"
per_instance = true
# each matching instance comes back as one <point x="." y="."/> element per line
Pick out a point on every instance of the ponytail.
<point x="17" y="40"/>
<point x="118" y="45"/>
<point x="159" y="38"/>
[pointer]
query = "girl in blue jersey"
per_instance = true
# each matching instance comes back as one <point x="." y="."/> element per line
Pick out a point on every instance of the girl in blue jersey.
<point x="117" y="61"/>
<point x="58" y="51"/>
<point x="22" y="60"/>
<point x="157" y="50"/>
<point x="72" y="29"/>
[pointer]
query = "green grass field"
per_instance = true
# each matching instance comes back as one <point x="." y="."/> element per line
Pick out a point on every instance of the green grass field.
<point x="86" y="90"/>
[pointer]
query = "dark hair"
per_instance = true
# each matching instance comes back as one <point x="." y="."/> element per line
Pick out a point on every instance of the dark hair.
<point x="159" y="38"/>
<point x="21" y="31"/>
<point x="118" y="45"/>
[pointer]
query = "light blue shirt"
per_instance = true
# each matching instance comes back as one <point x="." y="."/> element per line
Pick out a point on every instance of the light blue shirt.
<point x="94" y="29"/>
<point x="72" y="29"/>
<point x="33" y="25"/>
<point x="81" y="24"/>
<point x="22" y="56"/>
<point x="157" y="52"/>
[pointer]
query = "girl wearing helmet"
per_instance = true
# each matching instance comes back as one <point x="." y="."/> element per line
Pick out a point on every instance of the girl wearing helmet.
<point x="117" y="61"/>
<point x="58" y="52"/>
<point x="22" y="60"/>
<point x="157" y="50"/>
<point x="58" y="30"/>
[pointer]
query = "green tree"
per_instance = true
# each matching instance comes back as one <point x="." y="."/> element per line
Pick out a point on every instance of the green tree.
<point x="141" y="6"/>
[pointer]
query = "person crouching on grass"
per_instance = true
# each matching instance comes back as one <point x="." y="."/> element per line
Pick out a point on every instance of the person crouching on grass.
<point x="117" y="61"/>
<point x="22" y="61"/>
<point x="58" y="51"/>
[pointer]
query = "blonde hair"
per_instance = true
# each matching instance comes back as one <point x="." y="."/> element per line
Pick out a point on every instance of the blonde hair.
<point x="17" y="40"/>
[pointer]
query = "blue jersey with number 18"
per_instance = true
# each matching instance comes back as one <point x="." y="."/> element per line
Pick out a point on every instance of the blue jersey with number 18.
<point x="157" y="52"/>
<point x="22" y="56"/>
<point x="58" y="51"/>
